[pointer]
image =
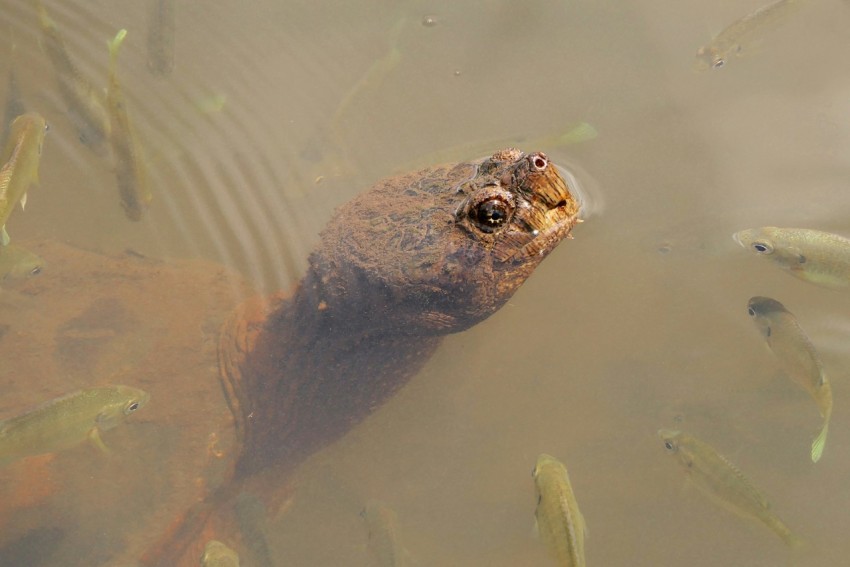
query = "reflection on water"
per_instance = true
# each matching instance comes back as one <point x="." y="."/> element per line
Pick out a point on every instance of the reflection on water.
<point x="640" y="323"/>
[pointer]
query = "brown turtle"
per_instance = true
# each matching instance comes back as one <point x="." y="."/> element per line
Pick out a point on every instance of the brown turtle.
<point x="413" y="259"/>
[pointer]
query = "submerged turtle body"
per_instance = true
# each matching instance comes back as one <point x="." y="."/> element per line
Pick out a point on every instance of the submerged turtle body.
<point x="402" y="265"/>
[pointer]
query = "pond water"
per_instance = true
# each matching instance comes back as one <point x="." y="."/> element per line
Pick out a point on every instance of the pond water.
<point x="276" y="112"/>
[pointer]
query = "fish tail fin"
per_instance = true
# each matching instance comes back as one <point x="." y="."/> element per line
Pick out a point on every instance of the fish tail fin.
<point x="4" y="236"/>
<point x="582" y="132"/>
<point x="44" y="19"/>
<point x="787" y="536"/>
<point x="819" y="442"/>
<point x="115" y="44"/>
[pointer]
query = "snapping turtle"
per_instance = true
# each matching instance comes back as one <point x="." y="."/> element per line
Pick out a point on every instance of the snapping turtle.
<point x="413" y="259"/>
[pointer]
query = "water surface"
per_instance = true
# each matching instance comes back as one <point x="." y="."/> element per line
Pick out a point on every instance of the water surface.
<point x="638" y="323"/>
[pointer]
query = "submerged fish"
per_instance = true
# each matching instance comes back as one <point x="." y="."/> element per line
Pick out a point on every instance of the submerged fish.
<point x="216" y="554"/>
<point x="68" y="421"/>
<point x="18" y="263"/>
<point x="384" y="542"/>
<point x="20" y="158"/>
<point x="722" y="481"/>
<point x="85" y="103"/>
<point x="161" y="37"/>
<point x="798" y="357"/>
<point x="130" y="167"/>
<point x="374" y="76"/>
<point x="731" y="40"/>
<point x="818" y="257"/>
<point x="559" y="522"/>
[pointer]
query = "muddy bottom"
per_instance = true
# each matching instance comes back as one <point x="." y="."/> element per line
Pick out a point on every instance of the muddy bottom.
<point x="90" y="320"/>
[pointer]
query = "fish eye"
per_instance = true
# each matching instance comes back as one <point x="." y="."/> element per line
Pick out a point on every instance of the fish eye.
<point x="35" y="271"/>
<point x="132" y="407"/>
<point x="762" y="247"/>
<point x="670" y="446"/>
<point x="718" y="63"/>
<point x="801" y="259"/>
<point x="46" y="127"/>
<point x="751" y="311"/>
<point x="539" y="161"/>
<point x="490" y="215"/>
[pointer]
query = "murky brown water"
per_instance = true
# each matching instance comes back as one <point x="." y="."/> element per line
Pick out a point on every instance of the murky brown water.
<point x="638" y="323"/>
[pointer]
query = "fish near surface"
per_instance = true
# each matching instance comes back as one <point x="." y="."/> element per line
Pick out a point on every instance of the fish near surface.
<point x="130" y="166"/>
<point x="86" y="107"/>
<point x="722" y="481"/>
<point x="817" y="257"/>
<point x="20" y="159"/>
<point x="736" y="35"/>
<point x="415" y="258"/>
<point x="384" y="542"/>
<point x="18" y="263"/>
<point x="797" y="355"/>
<point x="560" y="524"/>
<point x="67" y="421"/>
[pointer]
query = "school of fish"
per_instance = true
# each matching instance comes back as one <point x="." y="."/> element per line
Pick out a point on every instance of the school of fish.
<point x="101" y="117"/>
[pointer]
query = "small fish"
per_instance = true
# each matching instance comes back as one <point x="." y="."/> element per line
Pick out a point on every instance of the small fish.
<point x="85" y="104"/>
<point x="559" y="522"/>
<point x="161" y="37"/>
<point x="818" y="257"/>
<point x="374" y="76"/>
<point x="722" y="481"/>
<point x="384" y="542"/>
<point x="68" y="421"/>
<point x="20" y="158"/>
<point x="798" y="356"/>
<point x="216" y="554"/>
<point x="130" y="167"/>
<point x="18" y="263"/>
<point x="731" y="40"/>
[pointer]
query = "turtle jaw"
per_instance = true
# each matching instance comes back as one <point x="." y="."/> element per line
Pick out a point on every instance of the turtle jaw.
<point x="546" y="213"/>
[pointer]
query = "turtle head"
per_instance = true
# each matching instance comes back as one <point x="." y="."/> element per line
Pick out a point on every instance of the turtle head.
<point x="437" y="251"/>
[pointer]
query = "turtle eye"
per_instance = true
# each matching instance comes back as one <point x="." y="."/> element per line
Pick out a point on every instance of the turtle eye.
<point x="539" y="161"/>
<point x="762" y="247"/>
<point x="490" y="215"/>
